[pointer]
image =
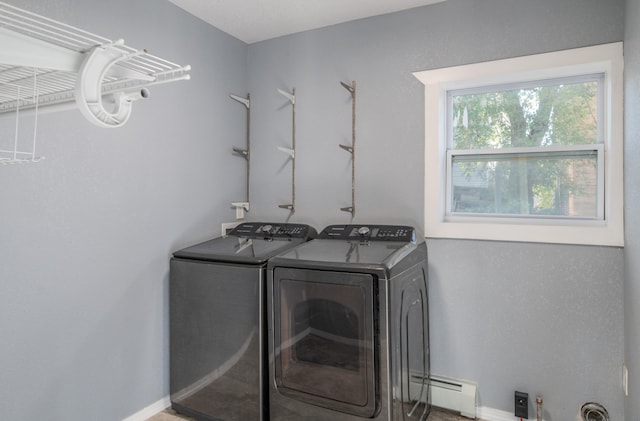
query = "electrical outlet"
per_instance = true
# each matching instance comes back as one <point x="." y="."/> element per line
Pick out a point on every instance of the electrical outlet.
<point x="521" y="404"/>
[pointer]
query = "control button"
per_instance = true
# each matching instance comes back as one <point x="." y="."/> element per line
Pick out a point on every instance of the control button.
<point x="363" y="231"/>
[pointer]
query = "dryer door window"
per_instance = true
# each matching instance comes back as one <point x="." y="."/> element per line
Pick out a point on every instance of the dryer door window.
<point x="324" y="337"/>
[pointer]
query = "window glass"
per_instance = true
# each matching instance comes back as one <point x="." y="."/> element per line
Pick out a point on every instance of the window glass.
<point x="561" y="184"/>
<point x="538" y="114"/>
<point x="527" y="148"/>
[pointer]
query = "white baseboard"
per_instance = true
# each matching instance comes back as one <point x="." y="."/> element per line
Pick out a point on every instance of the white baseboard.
<point x="453" y="394"/>
<point x="489" y="414"/>
<point x="150" y="410"/>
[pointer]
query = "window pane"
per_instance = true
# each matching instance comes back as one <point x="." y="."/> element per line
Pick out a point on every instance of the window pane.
<point x="559" y="184"/>
<point x="543" y="113"/>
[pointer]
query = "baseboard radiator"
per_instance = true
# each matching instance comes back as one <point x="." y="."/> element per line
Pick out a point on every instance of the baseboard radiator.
<point x="453" y="394"/>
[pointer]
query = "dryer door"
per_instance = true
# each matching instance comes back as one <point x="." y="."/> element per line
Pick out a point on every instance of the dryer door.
<point x="324" y="339"/>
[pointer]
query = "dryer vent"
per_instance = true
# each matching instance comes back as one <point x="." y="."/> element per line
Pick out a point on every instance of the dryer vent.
<point x="592" y="411"/>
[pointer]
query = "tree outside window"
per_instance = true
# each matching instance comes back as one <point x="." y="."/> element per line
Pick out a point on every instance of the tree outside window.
<point x="526" y="149"/>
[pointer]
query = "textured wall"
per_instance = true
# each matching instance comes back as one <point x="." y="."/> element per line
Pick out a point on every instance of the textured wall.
<point x="632" y="204"/>
<point x="85" y="235"/>
<point x="541" y="318"/>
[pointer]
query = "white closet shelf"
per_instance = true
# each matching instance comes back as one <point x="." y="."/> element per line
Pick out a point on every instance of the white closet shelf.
<point x="45" y="62"/>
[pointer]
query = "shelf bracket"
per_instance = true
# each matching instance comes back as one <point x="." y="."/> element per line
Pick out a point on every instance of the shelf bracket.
<point x="242" y="152"/>
<point x="104" y="77"/>
<point x="351" y="149"/>
<point x="89" y="87"/>
<point x="246" y="101"/>
<point x="242" y="207"/>
<point x="288" y="151"/>
<point x="347" y="148"/>
<point x="291" y="151"/>
<point x="290" y="96"/>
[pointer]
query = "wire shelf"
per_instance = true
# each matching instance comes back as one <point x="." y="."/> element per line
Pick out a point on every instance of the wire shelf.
<point x="68" y="64"/>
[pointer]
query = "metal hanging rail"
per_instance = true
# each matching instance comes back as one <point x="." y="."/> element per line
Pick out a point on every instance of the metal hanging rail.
<point x="102" y="76"/>
<point x="352" y="149"/>
<point x="291" y="151"/>
<point x="242" y="207"/>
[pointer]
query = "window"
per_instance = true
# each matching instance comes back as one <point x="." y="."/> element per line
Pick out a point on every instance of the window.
<point x="526" y="149"/>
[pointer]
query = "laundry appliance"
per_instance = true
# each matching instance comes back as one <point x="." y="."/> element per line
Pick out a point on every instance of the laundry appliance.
<point x="348" y="326"/>
<point x="217" y="321"/>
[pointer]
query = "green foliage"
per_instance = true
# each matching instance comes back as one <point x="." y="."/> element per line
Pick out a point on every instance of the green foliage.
<point x="538" y="116"/>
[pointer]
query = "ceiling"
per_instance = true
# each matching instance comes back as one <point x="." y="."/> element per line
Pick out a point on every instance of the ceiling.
<point x="257" y="20"/>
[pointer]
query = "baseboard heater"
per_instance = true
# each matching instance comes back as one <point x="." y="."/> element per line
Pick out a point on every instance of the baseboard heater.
<point x="452" y="394"/>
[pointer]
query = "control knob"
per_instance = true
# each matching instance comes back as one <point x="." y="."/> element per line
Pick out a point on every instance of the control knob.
<point x="363" y="231"/>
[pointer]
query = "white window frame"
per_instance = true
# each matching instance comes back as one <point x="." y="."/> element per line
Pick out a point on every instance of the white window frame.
<point x="609" y="230"/>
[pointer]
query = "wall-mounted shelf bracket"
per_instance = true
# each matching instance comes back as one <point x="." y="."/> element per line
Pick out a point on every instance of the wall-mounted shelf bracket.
<point x="291" y="151"/>
<point x="246" y="101"/>
<point x="347" y="148"/>
<point x="351" y="149"/>
<point x="288" y="151"/>
<point x="101" y="76"/>
<point x="351" y="88"/>
<point x="290" y="96"/>
<point x="242" y="207"/>
<point x="242" y="152"/>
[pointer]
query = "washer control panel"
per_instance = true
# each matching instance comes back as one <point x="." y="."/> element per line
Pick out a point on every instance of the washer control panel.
<point x="272" y="230"/>
<point x="370" y="233"/>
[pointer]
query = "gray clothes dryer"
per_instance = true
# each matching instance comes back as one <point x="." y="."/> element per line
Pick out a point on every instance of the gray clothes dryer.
<point x="217" y="326"/>
<point x="348" y="327"/>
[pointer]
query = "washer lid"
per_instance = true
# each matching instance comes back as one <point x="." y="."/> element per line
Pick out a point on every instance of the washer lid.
<point x="325" y="252"/>
<point x="372" y="246"/>
<point x="250" y="243"/>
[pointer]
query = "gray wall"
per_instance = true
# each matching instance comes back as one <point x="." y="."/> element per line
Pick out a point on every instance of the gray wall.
<point x="86" y="234"/>
<point x="546" y="319"/>
<point x="632" y="204"/>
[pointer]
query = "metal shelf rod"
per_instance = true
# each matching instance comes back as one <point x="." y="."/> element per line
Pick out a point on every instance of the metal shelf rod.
<point x="246" y="153"/>
<point x="351" y="149"/>
<point x="291" y="152"/>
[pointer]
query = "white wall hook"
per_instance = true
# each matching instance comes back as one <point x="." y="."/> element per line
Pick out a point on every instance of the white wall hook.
<point x="290" y="96"/>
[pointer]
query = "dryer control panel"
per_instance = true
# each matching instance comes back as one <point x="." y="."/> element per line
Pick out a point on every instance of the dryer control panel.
<point x="272" y="230"/>
<point x="370" y="233"/>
